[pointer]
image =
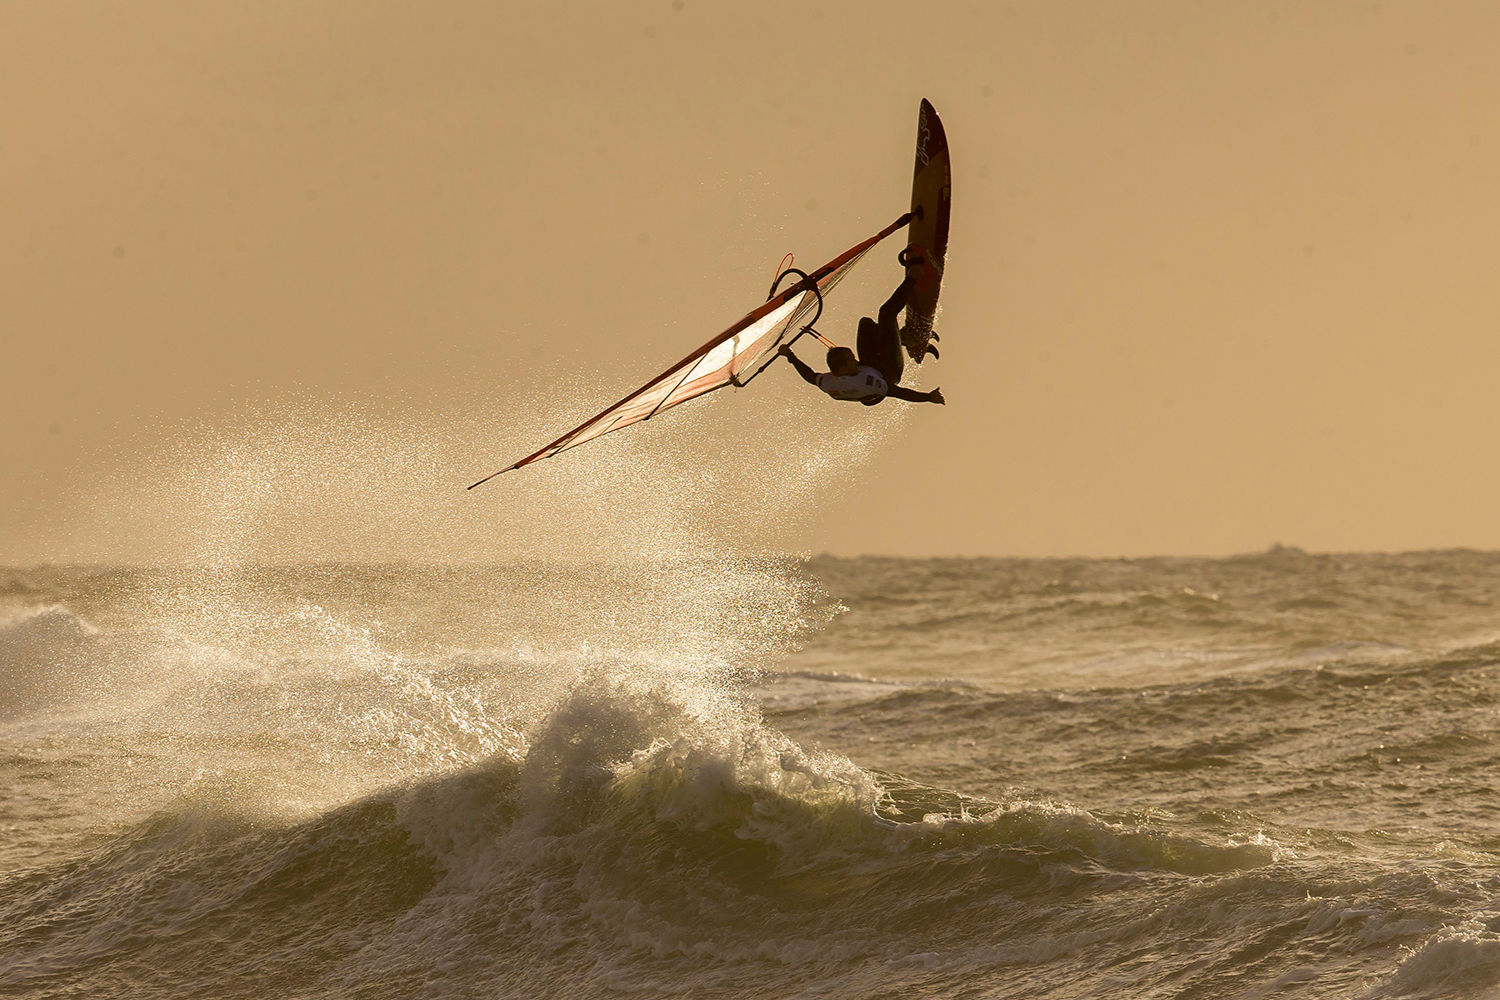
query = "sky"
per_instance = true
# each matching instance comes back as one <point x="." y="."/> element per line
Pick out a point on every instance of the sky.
<point x="280" y="279"/>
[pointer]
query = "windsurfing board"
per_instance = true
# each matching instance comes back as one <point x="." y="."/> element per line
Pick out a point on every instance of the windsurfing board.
<point x="927" y="234"/>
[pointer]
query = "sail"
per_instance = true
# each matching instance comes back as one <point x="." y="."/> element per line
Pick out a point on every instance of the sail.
<point x="734" y="357"/>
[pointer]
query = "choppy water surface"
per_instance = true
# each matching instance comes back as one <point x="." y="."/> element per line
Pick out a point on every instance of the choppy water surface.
<point x="1263" y="776"/>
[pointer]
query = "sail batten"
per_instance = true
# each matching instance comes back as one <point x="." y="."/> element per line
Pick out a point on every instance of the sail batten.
<point x="733" y="357"/>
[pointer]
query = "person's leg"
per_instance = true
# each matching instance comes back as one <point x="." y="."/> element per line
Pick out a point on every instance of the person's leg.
<point x="880" y="340"/>
<point x="895" y="303"/>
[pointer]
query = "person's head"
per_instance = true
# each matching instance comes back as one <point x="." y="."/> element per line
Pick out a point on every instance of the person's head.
<point x="841" y="361"/>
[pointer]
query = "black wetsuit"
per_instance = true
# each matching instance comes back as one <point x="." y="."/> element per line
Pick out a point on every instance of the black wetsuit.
<point x="879" y="346"/>
<point x="879" y="343"/>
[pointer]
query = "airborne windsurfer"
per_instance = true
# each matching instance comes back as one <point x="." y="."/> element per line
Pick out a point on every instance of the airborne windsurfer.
<point x="745" y="349"/>
<point x="876" y="372"/>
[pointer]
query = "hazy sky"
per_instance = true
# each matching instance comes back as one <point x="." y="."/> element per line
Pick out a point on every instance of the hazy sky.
<point x="279" y="279"/>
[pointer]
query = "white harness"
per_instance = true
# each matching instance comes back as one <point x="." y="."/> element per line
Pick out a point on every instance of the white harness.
<point x="866" y="385"/>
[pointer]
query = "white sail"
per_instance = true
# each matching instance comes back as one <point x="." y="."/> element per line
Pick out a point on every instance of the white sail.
<point x="734" y="357"/>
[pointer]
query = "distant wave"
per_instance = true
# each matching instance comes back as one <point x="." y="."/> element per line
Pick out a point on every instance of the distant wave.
<point x="39" y="626"/>
<point x="46" y="656"/>
<point x="1461" y="961"/>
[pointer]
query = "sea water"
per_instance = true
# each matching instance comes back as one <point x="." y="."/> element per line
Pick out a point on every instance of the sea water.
<point x="1271" y="775"/>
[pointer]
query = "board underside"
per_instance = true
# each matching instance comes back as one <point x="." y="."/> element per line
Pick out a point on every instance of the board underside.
<point x="931" y="192"/>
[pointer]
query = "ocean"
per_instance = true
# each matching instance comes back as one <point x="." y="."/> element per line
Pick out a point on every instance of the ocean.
<point x="1272" y="775"/>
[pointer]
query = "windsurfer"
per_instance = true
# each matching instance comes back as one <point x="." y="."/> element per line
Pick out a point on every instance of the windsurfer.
<point x="876" y="372"/>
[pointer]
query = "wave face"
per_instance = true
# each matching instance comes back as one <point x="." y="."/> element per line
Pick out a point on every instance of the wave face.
<point x="1262" y="776"/>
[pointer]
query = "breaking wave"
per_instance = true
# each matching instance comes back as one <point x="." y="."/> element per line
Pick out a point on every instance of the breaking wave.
<point x="644" y="827"/>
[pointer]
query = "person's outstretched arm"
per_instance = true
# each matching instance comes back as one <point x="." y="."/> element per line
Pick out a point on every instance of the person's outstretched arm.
<point x="808" y="375"/>
<point x="913" y="396"/>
